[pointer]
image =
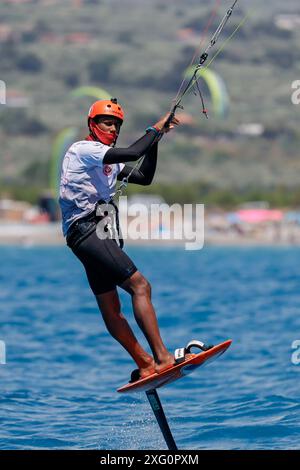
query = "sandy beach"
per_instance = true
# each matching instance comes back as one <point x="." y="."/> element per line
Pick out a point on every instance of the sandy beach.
<point x="49" y="234"/>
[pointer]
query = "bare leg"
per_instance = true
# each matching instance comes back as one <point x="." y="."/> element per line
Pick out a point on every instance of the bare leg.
<point x="140" y="291"/>
<point x="119" y="328"/>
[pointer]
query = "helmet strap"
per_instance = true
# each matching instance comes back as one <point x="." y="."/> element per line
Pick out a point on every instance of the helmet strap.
<point x="107" y="138"/>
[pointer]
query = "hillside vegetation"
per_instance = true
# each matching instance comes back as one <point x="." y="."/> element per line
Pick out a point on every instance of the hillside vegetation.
<point x="138" y="51"/>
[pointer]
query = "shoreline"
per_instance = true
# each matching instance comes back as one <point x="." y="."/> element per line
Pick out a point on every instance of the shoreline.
<point x="49" y="234"/>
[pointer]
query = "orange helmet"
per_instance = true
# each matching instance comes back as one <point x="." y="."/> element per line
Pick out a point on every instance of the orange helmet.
<point x="106" y="108"/>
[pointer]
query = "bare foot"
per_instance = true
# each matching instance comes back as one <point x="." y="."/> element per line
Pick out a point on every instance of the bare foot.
<point x="147" y="369"/>
<point x="166" y="363"/>
<point x="169" y="362"/>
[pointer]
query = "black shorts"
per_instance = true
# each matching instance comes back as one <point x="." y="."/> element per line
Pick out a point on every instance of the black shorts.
<point x="106" y="264"/>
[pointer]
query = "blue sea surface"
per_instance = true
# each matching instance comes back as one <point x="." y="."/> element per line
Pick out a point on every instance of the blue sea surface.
<point x="58" y="387"/>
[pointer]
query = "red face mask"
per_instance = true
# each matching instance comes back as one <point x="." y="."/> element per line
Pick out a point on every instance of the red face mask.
<point x="107" y="138"/>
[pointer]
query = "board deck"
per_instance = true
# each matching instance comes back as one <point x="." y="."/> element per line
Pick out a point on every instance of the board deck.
<point x="176" y="372"/>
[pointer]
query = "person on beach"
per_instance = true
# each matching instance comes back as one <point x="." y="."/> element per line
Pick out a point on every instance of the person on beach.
<point x="90" y="171"/>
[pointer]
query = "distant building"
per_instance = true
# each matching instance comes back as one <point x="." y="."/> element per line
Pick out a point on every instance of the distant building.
<point x="252" y="130"/>
<point x="71" y="38"/>
<point x="78" y="38"/>
<point x="6" y="32"/>
<point x="18" y="2"/>
<point x="13" y="210"/>
<point x="17" y="99"/>
<point x="51" y="38"/>
<point x="288" y="22"/>
<point x="254" y="205"/>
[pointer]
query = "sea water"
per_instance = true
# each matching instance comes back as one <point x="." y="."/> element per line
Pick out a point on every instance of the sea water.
<point x="62" y="368"/>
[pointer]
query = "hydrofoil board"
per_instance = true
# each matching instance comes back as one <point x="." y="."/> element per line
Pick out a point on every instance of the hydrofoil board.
<point x="177" y="371"/>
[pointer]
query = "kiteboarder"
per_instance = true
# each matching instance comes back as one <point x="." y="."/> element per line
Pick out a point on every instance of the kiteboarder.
<point x="90" y="170"/>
